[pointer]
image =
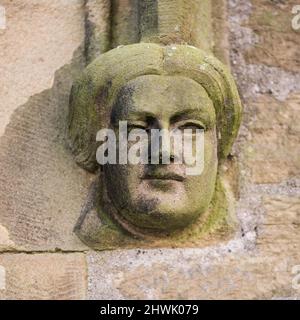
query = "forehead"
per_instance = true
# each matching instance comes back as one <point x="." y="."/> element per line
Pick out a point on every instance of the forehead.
<point x="162" y="96"/>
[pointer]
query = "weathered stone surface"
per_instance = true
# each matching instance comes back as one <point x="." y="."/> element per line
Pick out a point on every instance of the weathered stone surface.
<point x="277" y="43"/>
<point x="189" y="274"/>
<point x="44" y="276"/>
<point x="164" y="21"/>
<point x="124" y="22"/>
<point x="98" y="28"/>
<point x="280" y="229"/>
<point x="41" y="36"/>
<point x="41" y="189"/>
<point x="272" y="151"/>
<point x="256" y="78"/>
<point x="5" y="242"/>
<point x="220" y="31"/>
<point x="177" y="21"/>
<point x="233" y="270"/>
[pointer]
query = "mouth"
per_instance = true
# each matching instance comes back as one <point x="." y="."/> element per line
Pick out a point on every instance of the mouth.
<point x="164" y="176"/>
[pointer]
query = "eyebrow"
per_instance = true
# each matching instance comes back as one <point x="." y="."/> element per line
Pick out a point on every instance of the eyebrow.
<point x="185" y="114"/>
<point x="142" y="114"/>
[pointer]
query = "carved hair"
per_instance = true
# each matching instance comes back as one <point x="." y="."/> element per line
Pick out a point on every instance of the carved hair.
<point x="92" y="95"/>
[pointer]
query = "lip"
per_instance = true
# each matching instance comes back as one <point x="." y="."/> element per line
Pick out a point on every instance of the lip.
<point x="164" y="176"/>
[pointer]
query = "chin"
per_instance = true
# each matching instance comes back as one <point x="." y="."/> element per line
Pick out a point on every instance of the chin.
<point x="162" y="217"/>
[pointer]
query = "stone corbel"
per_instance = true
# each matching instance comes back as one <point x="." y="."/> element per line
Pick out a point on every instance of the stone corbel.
<point x="155" y="45"/>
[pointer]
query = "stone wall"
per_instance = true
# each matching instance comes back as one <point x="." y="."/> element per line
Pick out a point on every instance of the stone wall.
<point x="44" y="46"/>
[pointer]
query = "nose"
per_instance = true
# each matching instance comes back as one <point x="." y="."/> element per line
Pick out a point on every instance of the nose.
<point x="165" y="155"/>
<point x="160" y="151"/>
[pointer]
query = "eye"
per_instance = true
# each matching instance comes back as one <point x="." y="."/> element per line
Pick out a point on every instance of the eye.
<point x="137" y="125"/>
<point x="191" y="126"/>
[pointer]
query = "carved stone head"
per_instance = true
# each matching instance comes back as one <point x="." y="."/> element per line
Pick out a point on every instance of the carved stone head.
<point x="156" y="87"/>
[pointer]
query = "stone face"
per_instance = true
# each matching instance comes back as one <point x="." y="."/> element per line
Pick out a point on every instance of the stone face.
<point x="273" y="148"/>
<point x="45" y="46"/>
<point x="44" y="276"/>
<point x="169" y="205"/>
<point x="269" y="210"/>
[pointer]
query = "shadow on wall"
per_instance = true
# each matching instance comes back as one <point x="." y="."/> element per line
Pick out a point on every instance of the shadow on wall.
<point x="42" y="189"/>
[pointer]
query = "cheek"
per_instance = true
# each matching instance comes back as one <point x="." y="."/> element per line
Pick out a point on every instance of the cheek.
<point x="201" y="187"/>
<point x="205" y="147"/>
<point x="210" y="150"/>
<point x="210" y="158"/>
<point x="120" y="184"/>
<point x="122" y="180"/>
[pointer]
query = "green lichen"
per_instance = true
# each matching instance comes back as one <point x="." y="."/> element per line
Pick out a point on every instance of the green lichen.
<point x="92" y="95"/>
<point x="92" y="99"/>
<point x="217" y="225"/>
